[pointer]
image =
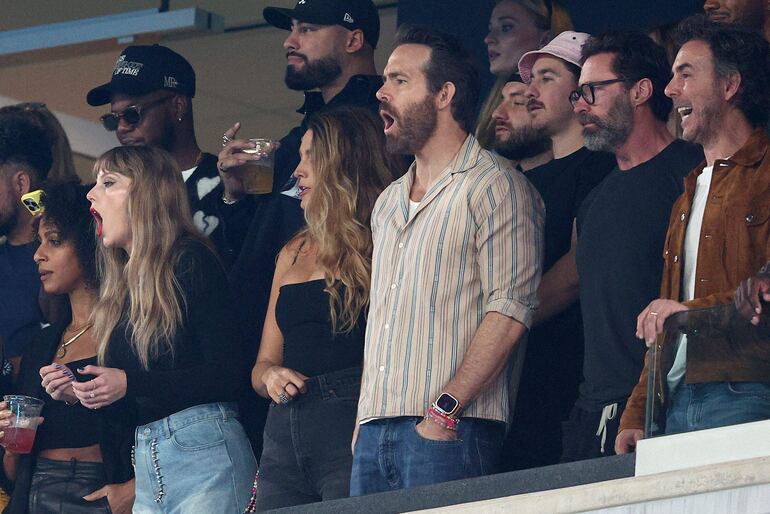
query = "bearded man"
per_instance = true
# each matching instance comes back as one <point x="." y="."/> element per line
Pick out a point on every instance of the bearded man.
<point x="621" y="104"/>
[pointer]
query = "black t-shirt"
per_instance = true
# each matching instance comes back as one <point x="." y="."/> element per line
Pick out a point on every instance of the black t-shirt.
<point x="208" y="363"/>
<point x="621" y="232"/>
<point x="553" y="369"/>
<point x="564" y="184"/>
<point x="20" y="315"/>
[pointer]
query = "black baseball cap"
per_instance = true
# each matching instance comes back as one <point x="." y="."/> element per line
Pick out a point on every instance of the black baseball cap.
<point x="142" y="69"/>
<point x="351" y="14"/>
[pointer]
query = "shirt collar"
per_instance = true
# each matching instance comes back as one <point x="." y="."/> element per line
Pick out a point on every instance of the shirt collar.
<point x="751" y="153"/>
<point x="358" y="90"/>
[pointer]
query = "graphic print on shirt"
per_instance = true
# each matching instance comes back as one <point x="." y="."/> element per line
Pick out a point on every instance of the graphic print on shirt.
<point x="206" y="185"/>
<point x="204" y="223"/>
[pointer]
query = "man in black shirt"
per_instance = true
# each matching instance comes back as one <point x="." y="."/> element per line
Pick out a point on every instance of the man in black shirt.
<point x="552" y="366"/>
<point x="622" y="224"/>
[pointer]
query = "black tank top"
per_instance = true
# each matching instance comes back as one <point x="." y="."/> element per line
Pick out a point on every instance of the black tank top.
<point x="68" y="426"/>
<point x="309" y="346"/>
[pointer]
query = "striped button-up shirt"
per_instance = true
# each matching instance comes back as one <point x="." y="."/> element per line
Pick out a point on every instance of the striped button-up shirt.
<point x="473" y="245"/>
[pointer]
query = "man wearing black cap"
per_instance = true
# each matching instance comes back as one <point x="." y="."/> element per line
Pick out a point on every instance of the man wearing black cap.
<point x="150" y="96"/>
<point x="330" y="56"/>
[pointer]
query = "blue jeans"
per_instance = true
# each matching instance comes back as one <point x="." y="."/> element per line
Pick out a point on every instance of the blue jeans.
<point x="306" y="455"/>
<point x="391" y="455"/>
<point x="716" y="404"/>
<point x="196" y="461"/>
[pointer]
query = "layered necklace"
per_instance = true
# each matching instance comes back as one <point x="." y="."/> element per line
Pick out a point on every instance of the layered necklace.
<point x="62" y="351"/>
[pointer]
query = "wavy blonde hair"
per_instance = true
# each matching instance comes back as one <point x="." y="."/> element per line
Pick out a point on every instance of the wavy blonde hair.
<point x="552" y="22"/>
<point x="144" y="283"/>
<point x="351" y="169"/>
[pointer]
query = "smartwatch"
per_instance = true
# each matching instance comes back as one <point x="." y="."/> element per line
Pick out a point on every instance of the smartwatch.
<point x="447" y="405"/>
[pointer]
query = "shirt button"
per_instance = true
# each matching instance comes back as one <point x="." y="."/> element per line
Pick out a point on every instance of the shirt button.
<point x="400" y="245"/>
<point x="382" y="368"/>
<point x="392" y="286"/>
<point x="682" y="217"/>
<point x="387" y="326"/>
<point x="749" y="218"/>
<point x="147" y="431"/>
<point x="676" y="258"/>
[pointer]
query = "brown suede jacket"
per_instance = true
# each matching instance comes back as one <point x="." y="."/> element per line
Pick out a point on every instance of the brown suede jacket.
<point x="734" y="245"/>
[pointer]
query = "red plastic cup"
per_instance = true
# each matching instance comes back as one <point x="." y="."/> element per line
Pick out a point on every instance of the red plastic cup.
<point x="20" y="436"/>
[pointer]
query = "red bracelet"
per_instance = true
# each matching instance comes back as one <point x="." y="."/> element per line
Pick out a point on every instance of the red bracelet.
<point x="441" y="419"/>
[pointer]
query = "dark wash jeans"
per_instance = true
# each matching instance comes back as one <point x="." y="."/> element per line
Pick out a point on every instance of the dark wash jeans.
<point x="716" y="404"/>
<point x="391" y="455"/>
<point x="306" y="454"/>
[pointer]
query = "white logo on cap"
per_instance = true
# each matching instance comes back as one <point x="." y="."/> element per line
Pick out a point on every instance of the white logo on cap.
<point x="170" y="82"/>
<point x="348" y="18"/>
<point x="301" y="2"/>
<point x="124" y="67"/>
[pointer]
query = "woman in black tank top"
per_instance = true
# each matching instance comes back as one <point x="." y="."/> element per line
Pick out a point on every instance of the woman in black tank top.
<point x="68" y="460"/>
<point x="310" y="357"/>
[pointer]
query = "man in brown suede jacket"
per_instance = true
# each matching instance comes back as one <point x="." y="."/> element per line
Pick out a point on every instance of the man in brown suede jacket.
<point x="718" y="235"/>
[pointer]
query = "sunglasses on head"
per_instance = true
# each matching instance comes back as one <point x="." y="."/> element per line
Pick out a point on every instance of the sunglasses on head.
<point x="33" y="201"/>
<point x="131" y="114"/>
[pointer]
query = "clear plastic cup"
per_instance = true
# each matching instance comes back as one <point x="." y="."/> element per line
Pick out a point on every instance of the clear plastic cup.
<point x="258" y="175"/>
<point x="20" y="436"/>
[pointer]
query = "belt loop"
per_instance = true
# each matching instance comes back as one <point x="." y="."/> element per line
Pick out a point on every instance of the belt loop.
<point x="223" y="410"/>
<point x="323" y="387"/>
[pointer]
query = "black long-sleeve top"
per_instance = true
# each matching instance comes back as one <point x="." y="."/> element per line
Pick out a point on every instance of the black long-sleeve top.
<point x="207" y="363"/>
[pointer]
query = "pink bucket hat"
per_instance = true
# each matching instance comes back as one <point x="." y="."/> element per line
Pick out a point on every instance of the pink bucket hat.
<point x="566" y="46"/>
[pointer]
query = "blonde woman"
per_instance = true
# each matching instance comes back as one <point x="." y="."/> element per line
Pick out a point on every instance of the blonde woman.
<point x="309" y="361"/>
<point x="169" y="346"/>
<point x="515" y="27"/>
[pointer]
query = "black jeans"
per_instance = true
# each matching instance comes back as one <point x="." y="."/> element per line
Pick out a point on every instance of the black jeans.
<point x="59" y="486"/>
<point x="306" y="454"/>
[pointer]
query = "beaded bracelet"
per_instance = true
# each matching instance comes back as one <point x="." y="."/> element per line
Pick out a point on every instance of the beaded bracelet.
<point x="441" y="419"/>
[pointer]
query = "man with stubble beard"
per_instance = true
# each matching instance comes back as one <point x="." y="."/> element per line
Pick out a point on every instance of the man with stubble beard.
<point x="623" y="109"/>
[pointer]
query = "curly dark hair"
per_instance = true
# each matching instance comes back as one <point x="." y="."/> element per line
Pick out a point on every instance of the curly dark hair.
<point x="449" y="62"/>
<point x="67" y="208"/>
<point x="736" y="50"/>
<point x="636" y="56"/>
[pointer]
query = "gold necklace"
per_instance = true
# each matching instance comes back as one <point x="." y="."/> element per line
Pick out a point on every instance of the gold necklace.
<point x="62" y="351"/>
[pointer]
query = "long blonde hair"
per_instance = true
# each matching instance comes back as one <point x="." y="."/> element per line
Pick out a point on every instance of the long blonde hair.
<point x="351" y="169"/>
<point x="552" y="22"/>
<point x="144" y="283"/>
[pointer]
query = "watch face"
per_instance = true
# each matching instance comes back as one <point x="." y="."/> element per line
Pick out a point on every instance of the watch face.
<point x="447" y="403"/>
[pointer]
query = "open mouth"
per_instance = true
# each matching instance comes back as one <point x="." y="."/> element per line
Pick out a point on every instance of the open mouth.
<point x="492" y="56"/>
<point x="98" y="220"/>
<point x="44" y="275"/>
<point x="302" y="190"/>
<point x="684" y="111"/>
<point x="387" y="119"/>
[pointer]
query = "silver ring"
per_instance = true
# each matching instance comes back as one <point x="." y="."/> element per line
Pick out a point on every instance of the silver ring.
<point x="653" y="313"/>
<point x="92" y="394"/>
<point x="225" y="140"/>
<point x="282" y="398"/>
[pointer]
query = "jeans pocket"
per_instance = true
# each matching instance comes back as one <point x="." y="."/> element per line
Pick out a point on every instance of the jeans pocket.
<point x="433" y="442"/>
<point x="199" y="435"/>
<point x="743" y="389"/>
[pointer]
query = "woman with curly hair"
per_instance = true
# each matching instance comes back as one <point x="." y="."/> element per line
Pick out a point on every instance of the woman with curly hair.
<point x="310" y="358"/>
<point x="73" y="456"/>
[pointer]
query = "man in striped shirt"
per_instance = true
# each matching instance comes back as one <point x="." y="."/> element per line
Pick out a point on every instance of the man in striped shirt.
<point x="456" y="265"/>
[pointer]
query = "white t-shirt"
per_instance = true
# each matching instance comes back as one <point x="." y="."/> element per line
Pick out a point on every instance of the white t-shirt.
<point x="691" y="243"/>
<point x="413" y="208"/>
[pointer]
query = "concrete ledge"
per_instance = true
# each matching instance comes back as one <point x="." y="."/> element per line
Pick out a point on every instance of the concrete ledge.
<point x="696" y="449"/>
<point x="613" y="493"/>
